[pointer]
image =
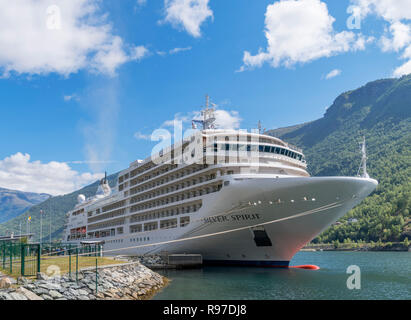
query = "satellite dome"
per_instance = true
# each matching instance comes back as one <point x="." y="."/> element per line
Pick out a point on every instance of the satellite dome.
<point x="81" y="198"/>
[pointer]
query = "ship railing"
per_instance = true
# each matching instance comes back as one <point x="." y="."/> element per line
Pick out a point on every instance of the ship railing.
<point x="295" y="148"/>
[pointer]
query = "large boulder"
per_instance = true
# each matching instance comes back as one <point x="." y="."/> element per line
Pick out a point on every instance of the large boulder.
<point x="5" y="283"/>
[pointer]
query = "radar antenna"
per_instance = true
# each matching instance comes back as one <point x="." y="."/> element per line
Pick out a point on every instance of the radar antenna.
<point x="208" y="114"/>
<point x="259" y="126"/>
<point x="363" y="165"/>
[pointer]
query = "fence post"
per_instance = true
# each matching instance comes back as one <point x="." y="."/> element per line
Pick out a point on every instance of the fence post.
<point x="69" y="251"/>
<point x="22" y="259"/>
<point x="96" y="277"/>
<point x="39" y="258"/>
<point x="77" y="264"/>
<point x="11" y="258"/>
<point x="4" y="255"/>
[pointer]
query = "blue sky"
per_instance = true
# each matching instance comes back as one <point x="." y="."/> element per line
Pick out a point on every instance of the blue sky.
<point x="79" y="96"/>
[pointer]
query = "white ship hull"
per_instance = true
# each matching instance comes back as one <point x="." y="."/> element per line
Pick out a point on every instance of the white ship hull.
<point x="287" y="213"/>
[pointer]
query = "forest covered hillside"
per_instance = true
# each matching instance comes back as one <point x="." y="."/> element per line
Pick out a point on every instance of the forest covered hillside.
<point x="14" y="203"/>
<point x="381" y="112"/>
<point x="54" y="213"/>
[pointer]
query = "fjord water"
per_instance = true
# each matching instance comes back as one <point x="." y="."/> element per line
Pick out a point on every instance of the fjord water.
<point x="384" y="275"/>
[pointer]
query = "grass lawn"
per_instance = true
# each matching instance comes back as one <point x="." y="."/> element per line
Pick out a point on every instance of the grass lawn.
<point x="51" y="266"/>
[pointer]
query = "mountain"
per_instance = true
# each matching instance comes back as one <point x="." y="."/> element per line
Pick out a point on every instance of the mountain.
<point x="380" y="111"/>
<point x="54" y="211"/>
<point x="14" y="203"/>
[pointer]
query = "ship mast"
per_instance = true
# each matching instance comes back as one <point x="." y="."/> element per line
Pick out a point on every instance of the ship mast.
<point x="363" y="165"/>
<point x="208" y="114"/>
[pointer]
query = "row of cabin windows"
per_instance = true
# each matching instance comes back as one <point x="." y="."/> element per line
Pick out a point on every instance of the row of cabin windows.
<point x="242" y="138"/>
<point x="171" y="177"/>
<point x="140" y="239"/>
<point x="166" y="213"/>
<point x="139" y="170"/>
<point x="151" y="165"/>
<point x="103" y="234"/>
<point x="112" y="214"/>
<point x="164" y="224"/>
<point x="106" y="233"/>
<point x="75" y="213"/>
<point x="152" y="175"/>
<point x="76" y="236"/>
<point x="106" y="224"/>
<point x="259" y="148"/>
<point x="173" y="188"/>
<point x="122" y="178"/>
<point x="114" y="206"/>
<point x="171" y="199"/>
<point x="90" y="213"/>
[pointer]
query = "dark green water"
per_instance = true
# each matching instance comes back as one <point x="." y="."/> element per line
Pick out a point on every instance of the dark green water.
<point x="384" y="275"/>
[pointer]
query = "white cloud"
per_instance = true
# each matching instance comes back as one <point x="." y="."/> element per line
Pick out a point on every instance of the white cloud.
<point x="17" y="172"/>
<point x="139" y="5"/>
<point x="177" y="50"/>
<point x="401" y="37"/>
<point x="141" y="136"/>
<point x="389" y="10"/>
<point x="224" y="119"/>
<point x="139" y="52"/>
<point x="90" y="162"/>
<point x="299" y="32"/>
<point x="71" y="97"/>
<point x="397" y="37"/>
<point x="189" y="14"/>
<point x="227" y="119"/>
<point x="332" y="74"/>
<point x="403" y="70"/>
<point x="173" y="51"/>
<point x="39" y="37"/>
<point x="178" y="119"/>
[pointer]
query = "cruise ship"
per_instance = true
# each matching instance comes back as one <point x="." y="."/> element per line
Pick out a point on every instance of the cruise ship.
<point x="233" y="196"/>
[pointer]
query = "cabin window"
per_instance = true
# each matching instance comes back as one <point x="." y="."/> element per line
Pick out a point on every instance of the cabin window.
<point x="150" y="226"/>
<point x="184" y="221"/>
<point x="135" y="228"/>
<point x="167" y="224"/>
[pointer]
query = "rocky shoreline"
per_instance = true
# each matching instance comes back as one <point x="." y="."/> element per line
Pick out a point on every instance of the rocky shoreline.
<point x="128" y="281"/>
<point x="396" y="247"/>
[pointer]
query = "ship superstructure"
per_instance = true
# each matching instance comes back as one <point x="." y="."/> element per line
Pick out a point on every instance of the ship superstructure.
<point x="235" y="197"/>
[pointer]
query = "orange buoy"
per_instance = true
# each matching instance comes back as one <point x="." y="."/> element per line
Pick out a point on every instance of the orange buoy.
<point x="307" y="267"/>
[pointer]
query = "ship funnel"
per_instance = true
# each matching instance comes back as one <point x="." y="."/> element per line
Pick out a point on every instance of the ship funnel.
<point x="103" y="189"/>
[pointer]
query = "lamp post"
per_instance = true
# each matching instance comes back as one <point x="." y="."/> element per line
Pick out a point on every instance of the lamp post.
<point x="41" y="225"/>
